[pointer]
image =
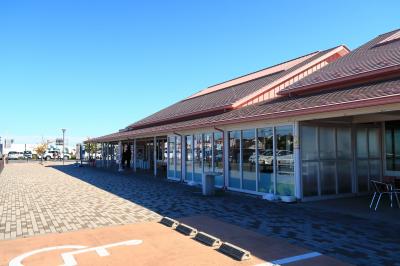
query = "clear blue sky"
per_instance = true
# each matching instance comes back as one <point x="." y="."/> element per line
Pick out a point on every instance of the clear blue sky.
<point x="96" y="66"/>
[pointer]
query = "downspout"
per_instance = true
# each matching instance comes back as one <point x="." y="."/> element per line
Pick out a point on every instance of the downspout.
<point x="223" y="155"/>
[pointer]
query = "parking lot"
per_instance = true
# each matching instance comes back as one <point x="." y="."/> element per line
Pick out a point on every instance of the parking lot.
<point x="40" y="199"/>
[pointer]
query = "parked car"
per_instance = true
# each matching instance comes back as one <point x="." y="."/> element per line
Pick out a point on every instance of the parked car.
<point x="27" y="154"/>
<point x="15" y="155"/>
<point x="56" y="155"/>
<point x="48" y="155"/>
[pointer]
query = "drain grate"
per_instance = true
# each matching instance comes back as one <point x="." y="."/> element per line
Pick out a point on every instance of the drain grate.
<point x="207" y="239"/>
<point x="169" y="222"/>
<point x="186" y="230"/>
<point x="234" y="251"/>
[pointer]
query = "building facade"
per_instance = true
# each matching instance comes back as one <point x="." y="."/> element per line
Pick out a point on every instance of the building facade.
<point x="319" y="126"/>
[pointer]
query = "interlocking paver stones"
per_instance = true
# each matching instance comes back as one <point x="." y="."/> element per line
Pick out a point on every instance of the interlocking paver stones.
<point x="79" y="198"/>
<point x="35" y="199"/>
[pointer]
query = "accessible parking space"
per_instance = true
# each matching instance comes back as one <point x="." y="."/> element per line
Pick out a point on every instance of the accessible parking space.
<point x="152" y="243"/>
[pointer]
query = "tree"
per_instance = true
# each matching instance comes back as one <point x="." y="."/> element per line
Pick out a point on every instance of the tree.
<point x="41" y="150"/>
<point x="91" y="148"/>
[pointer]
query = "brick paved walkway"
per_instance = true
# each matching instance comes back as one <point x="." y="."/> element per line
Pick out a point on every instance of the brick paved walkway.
<point x="35" y="199"/>
<point x="105" y="198"/>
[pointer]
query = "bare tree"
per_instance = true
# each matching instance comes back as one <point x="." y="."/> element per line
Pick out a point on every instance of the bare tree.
<point x="41" y="150"/>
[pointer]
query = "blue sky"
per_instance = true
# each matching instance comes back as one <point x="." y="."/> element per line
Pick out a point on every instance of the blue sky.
<point x="94" y="67"/>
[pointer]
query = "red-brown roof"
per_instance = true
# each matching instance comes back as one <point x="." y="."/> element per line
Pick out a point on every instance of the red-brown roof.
<point x="221" y="100"/>
<point x="383" y="92"/>
<point x="378" y="56"/>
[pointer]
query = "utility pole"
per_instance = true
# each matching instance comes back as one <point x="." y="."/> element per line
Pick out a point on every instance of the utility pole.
<point x="63" y="131"/>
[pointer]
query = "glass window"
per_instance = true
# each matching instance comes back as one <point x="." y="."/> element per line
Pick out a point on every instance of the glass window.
<point x="309" y="145"/>
<point x="375" y="169"/>
<point x="218" y="158"/>
<point x="344" y="174"/>
<point x="392" y="144"/>
<point x="265" y="144"/>
<point x="234" y="159"/>
<point x="327" y="149"/>
<point x="178" y="142"/>
<point x="171" y="157"/>
<point x="362" y="175"/>
<point x="309" y="173"/>
<point x="189" y="158"/>
<point x="249" y="159"/>
<point x="198" y="158"/>
<point x="343" y="137"/>
<point x="362" y="147"/>
<point x="285" y="163"/>
<point x="373" y="143"/>
<point x="328" y="177"/>
<point x="208" y="153"/>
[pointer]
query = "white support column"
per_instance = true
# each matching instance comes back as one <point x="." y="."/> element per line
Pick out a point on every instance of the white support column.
<point x="155" y="155"/>
<point x="297" y="162"/>
<point x="119" y="159"/>
<point x="134" y="155"/>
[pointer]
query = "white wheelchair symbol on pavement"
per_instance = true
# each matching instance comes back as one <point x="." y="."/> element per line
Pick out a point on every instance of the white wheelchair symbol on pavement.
<point x="68" y="257"/>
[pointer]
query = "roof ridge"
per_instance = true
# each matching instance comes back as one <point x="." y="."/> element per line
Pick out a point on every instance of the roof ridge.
<point x="284" y="62"/>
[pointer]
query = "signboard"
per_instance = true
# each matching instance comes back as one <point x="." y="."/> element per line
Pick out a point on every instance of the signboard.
<point x="59" y="142"/>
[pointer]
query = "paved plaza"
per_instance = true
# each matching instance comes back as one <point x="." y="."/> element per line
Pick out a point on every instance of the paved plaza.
<point x="36" y="199"/>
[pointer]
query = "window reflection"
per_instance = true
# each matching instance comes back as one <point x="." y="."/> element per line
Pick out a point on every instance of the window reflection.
<point x="284" y="158"/>
<point x="265" y="142"/>
<point x="189" y="158"/>
<point x="218" y="158"/>
<point x="234" y="159"/>
<point x="249" y="162"/>
<point x="208" y="153"/>
<point x="198" y="158"/>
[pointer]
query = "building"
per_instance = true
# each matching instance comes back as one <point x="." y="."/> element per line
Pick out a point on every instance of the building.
<point x="318" y="126"/>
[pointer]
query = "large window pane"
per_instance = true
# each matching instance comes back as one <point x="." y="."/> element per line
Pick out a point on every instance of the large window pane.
<point x="189" y="158"/>
<point x="362" y="175"/>
<point x="249" y="154"/>
<point x="310" y="178"/>
<point x="198" y="158"/>
<point x="208" y="153"/>
<point x="392" y="143"/>
<point x="171" y="157"/>
<point x="309" y="145"/>
<point x="218" y="158"/>
<point x="375" y="169"/>
<point x="234" y="159"/>
<point x="285" y="166"/>
<point x="328" y="177"/>
<point x="265" y="160"/>
<point x="343" y="143"/>
<point x="178" y="173"/>
<point x="362" y="148"/>
<point x="344" y="173"/>
<point x="327" y="148"/>
<point x="373" y="143"/>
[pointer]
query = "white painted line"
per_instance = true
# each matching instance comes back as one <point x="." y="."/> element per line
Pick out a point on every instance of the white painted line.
<point x="69" y="259"/>
<point x="17" y="261"/>
<point x="297" y="258"/>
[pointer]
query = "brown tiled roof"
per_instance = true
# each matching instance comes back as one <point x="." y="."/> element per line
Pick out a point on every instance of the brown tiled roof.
<point x="381" y="53"/>
<point x="326" y="101"/>
<point x="220" y="99"/>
